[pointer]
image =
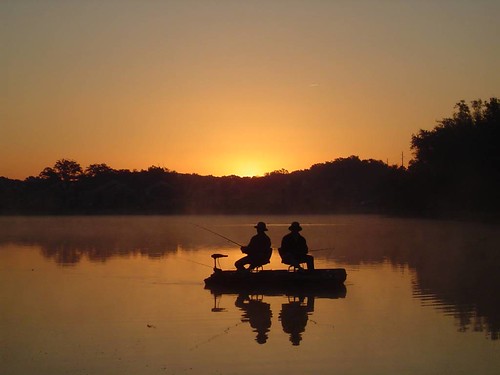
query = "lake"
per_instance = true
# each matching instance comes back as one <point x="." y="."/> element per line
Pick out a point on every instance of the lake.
<point x="125" y="295"/>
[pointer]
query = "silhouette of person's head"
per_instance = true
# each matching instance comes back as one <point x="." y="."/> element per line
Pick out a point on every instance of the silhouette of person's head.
<point x="261" y="226"/>
<point x="295" y="227"/>
<point x="295" y="338"/>
<point x="261" y="337"/>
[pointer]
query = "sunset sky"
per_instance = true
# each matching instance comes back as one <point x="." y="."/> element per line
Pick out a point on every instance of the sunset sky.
<point x="234" y="87"/>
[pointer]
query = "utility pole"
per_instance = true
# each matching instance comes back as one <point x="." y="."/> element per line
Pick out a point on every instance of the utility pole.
<point x="402" y="159"/>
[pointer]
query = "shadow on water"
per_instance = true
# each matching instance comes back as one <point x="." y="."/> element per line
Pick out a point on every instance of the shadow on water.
<point x="294" y="313"/>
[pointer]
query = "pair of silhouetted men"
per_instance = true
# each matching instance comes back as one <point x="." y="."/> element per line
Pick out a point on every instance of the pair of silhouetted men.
<point x="293" y="250"/>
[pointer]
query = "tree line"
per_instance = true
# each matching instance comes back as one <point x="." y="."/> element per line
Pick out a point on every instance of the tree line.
<point x="455" y="172"/>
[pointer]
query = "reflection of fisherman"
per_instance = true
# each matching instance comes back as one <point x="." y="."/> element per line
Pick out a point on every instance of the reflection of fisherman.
<point x="294" y="316"/>
<point x="258" y="250"/>
<point x="293" y="250"/>
<point x="258" y="314"/>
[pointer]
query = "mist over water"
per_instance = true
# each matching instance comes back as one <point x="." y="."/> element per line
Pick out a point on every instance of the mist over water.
<point x="125" y="295"/>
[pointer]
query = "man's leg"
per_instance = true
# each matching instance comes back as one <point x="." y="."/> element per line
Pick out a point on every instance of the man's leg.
<point x="240" y="263"/>
<point x="310" y="262"/>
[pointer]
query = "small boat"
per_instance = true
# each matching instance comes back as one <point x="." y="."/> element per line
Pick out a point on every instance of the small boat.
<point x="281" y="279"/>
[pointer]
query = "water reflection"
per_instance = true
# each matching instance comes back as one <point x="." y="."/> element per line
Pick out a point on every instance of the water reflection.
<point x="257" y="313"/>
<point x="457" y="273"/>
<point x="68" y="240"/>
<point x="294" y="313"/>
<point x="464" y="287"/>
<point x="455" y="264"/>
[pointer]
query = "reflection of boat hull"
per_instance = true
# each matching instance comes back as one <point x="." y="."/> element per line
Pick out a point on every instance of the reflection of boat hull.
<point x="317" y="291"/>
<point x="318" y="282"/>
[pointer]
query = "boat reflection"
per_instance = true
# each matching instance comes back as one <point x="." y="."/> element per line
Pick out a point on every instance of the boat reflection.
<point x="294" y="313"/>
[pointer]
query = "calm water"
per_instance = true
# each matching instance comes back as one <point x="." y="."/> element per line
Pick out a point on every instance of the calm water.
<point x="125" y="295"/>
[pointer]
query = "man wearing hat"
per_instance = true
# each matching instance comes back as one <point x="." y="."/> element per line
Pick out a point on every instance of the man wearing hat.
<point x="293" y="250"/>
<point x="258" y="250"/>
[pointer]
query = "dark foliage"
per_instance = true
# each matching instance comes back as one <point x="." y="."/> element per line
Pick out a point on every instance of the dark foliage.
<point x="343" y="185"/>
<point x="456" y="171"/>
<point x="457" y="164"/>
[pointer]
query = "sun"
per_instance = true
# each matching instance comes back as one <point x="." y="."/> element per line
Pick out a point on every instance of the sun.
<point x="247" y="165"/>
<point x="248" y="169"/>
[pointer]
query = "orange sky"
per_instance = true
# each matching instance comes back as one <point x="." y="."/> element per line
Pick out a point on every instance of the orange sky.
<point x="234" y="87"/>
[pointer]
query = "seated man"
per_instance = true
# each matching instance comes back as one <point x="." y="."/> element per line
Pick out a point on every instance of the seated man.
<point x="293" y="250"/>
<point x="258" y="250"/>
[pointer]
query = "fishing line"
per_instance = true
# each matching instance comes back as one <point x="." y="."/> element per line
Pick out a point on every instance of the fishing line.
<point x="322" y="324"/>
<point x="195" y="262"/>
<point x="225" y="332"/>
<point x="217" y="234"/>
<point x="323" y="249"/>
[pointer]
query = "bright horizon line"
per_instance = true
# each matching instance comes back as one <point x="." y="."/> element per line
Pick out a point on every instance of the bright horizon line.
<point x="241" y="174"/>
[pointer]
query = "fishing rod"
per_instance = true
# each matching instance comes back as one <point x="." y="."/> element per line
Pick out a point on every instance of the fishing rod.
<point x="218" y="234"/>
<point x="323" y="249"/>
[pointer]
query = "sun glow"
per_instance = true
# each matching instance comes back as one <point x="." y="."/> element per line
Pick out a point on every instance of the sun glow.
<point x="262" y="92"/>
<point x="249" y="169"/>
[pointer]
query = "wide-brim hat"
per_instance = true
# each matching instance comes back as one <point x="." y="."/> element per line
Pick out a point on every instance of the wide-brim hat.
<point x="295" y="227"/>
<point x="261" y="226"/>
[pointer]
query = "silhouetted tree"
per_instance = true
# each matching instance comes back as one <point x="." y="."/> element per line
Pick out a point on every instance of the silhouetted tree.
<point x="48" y="173"/>
<point x="278" y="171"/>
<point x="64" y="169"/>
<point x="95" y="170"/>
<point x="343" y="185"/>
<point x="457" y="164"/>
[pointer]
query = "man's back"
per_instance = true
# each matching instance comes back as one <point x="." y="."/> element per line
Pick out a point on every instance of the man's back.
<point x="294" y="243"/>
